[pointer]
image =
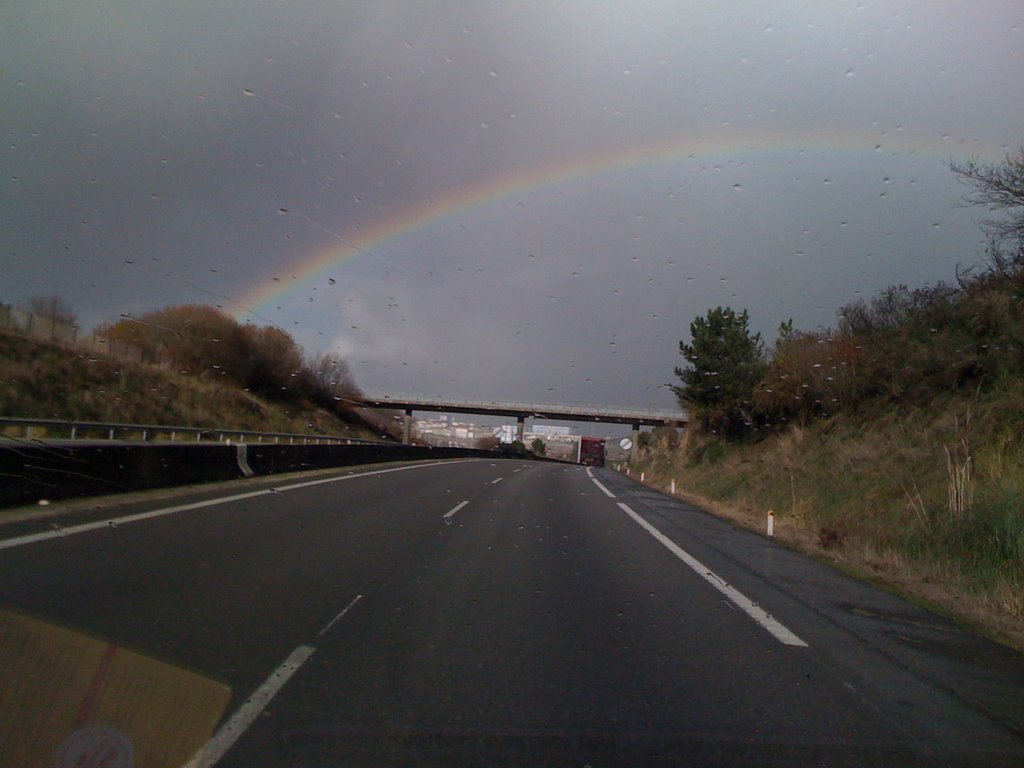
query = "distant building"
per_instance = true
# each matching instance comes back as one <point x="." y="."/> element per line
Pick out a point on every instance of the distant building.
<point x="559" y="441"/>
<point x="506" y="433"/>
<point x="550" y="430"/>
<point x="445" y="431"/>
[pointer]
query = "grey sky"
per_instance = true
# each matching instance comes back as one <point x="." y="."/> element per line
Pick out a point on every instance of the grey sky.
<point x="149" y="146"/>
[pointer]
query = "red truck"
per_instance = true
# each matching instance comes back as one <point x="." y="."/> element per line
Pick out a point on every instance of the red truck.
<point x="591" y="452"/>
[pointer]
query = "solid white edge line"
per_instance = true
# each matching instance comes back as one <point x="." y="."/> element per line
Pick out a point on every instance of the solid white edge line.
<point x="114" y="522"/>
<point x="340" y="616"/>
<point x="607" y="493"/>
<point x="32" y="538"/>
<point x="741" y="601"/>
<point x="229" y="733"/>
<point x="455" y="509"/>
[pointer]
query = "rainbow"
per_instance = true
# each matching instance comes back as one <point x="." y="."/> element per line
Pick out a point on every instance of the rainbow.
<point x="462" y="201"/>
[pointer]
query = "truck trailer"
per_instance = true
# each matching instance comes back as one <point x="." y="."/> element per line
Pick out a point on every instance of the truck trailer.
<point x="591" y="452"/>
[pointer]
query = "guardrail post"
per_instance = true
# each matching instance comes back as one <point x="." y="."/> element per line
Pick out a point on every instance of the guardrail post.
<point x="110" y="434"/>
<point x="145" y="434"/>
<point x="74" y="432"/>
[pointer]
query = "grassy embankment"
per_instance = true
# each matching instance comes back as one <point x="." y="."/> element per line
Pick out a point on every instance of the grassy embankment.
<point x="874" y="495"/>
<point x="39" y="379"/>
<point x="894" y="447"/>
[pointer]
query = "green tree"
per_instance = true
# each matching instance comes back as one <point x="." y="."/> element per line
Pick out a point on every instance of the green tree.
<point x="538" y="447"/>
<point x="515" y="448"/>
<point x="726" y="361"/>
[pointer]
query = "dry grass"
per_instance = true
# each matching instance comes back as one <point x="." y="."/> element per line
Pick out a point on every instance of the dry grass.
<point x="44" y="380"/>
<point x="927" y="501"/>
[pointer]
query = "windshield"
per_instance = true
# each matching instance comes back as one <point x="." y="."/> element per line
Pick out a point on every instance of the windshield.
<point x="508" y="280"/>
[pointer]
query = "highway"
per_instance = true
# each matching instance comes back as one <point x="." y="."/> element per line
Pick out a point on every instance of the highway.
<point x="503" y="612"/>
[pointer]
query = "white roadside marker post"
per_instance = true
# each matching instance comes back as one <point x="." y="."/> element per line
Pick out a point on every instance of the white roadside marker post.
<point x="673" y="486"/>
<point x="771" y="524"/>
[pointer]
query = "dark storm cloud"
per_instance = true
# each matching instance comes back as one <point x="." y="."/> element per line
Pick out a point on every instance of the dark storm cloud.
<point x="169" y="135"/>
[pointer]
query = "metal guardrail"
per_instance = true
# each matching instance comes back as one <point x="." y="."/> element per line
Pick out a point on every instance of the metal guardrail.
<point x="74" y="430"/>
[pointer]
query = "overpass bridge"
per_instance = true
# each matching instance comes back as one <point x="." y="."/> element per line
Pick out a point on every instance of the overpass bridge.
<point x="635" y="417"/>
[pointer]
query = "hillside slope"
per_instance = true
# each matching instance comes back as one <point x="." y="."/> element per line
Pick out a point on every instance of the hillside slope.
<point x="42" y="379"/>
<point x="927" y="498"/>
<point x="893" y="442"/>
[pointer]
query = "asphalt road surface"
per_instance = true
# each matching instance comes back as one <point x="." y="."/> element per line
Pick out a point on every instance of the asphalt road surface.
<point x="513" y="613"/>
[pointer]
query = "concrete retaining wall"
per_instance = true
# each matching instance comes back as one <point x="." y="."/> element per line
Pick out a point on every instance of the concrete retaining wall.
<point x="65" y="469"/>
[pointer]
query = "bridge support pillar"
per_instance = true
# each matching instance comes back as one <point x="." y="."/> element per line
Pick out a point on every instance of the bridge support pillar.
<point x="407" y="427"/>
<point x="520" y="427"/>
<point x="634" y="452"/>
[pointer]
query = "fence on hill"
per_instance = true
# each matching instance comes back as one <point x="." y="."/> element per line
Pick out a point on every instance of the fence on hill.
<point x="36" y="326"/>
